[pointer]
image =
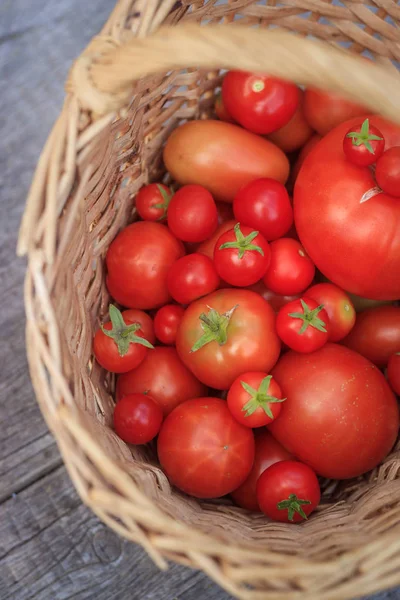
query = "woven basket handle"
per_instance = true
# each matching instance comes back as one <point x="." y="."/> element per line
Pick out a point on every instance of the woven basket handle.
<point x="102" y="77"/>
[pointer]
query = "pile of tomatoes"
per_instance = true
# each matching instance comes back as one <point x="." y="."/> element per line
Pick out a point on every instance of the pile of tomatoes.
<point x="259" y="336"/>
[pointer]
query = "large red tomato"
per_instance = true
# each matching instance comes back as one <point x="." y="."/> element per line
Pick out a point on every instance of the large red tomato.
<point x="353" y="239"/>
<point x="228" y="333"/>
<point x="340" y="416"/>
<point x="203" y="450"/>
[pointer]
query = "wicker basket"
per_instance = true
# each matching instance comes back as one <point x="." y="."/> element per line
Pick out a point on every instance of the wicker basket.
<point x="125" y="94"/>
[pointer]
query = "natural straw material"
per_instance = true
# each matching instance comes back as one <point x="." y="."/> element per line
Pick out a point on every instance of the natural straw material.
<point x="131" y="87"/>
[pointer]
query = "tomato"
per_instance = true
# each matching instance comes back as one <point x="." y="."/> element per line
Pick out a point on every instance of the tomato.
<point x="340" y="416"/>
<point x="387" y="172"/>
<point x="290" y="270"/>
<point x="376" y="334"/>
<point x="361" y="304"/>
<point x="222" y="157"/>
<point x="164" y="377"/>
<point x="120" y="345"/>
<point x="267" y="452"/>
<point x="137" y="419"/>
<point x="295" y="133"/>
<point x="203" y="450"/>
<point x="192" y="214"/>
<point x="363" y="144"/>
<point x="166" y="323"/>
<point x="138" y="261"/>
<point x="350" y="231"/>
<point x="207" y="247"/>
<point x="288" y="491"/>
<point x="260" y="103"/>
<point x="227" y="333"/>
<point x="305" y="151"/>
<point x="221" y="111"/>
<point x="134" y="315"/>
<point x="152" y="202"/>
<point x="303" y="325"/>
<point x="241" y="256"/>
<point x="325" y="110"/>
<point x="275" y="300"/>
<point x="191" y="277"/>
<point x="225" y="213"/>
<point x="393" y="372"/>
<point x="338" y="306"/>
<point x="254" y="399"/>
<point x="264" y="204"/>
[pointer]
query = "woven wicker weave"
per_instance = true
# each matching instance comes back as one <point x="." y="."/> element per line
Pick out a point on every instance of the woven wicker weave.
<point x="105" y="145"/>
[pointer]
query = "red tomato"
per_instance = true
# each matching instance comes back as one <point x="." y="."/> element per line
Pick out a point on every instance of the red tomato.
<point x="119" y="345"/>
<point x="166" y="323"/>
<point x="338" y="306"/>
<point x="254" y="399"/>
<point x="134" y="315"/>
<point x="376" y="334"/>
<point x="363" y="145"/>
<point x="152" y="202"/>
<point x="220" y="110"/>
<point x="227" y="333"/>
<point x="325" y="110"/>
<point x="138" y="261"/>
<point x="352" y="235"/>
<point x="275" y="300"/>
<point x="303" y="325"/>
<point x="264" y="204"/>
<point x="267" y="452"/>
<point x="191" y="277"/>
<point x="290" y="270"/>
<point x="260" y="103"/>
<point x="335" y="399"/>
<point x="241" y="256"/>
<point x="225" y="213"/>
<point x="207" y="247"/>
<point x="203" y="450"/>
<point x="192" y="214"/>
<point x="393" y="372"/>
<point x="387" y="172"/>
<point x="305" y="151"/>
<point x="288" y="491"/>
<point x="164" y="377"/>
<point x="294" y="134"/>
<point x="137" y="419"/>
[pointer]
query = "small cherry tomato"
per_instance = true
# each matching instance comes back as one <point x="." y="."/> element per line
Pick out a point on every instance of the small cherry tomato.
<point x="363" y="145"/>
<point x="221" y="111"/>
<point x="207" y="247"/>
<point x="152" y="202"/>
<point x="393" y="372"/>
<point x="295" y="133"/>
<point x="241" y="256"/>
<point x="288" y="491"/>
<point x="324" y="110"/>
<point x="387" y="172"/>
<point x="264" y="204"/>
<point x="338" y="306"/>
<point x="119" y="345"/>
<point x="192" y="214"/>
<point x="135" y="315"/>
<point x="303" y="325"/>
<point x="192" y="277"/>
<point x="137" y="419"/>
<point x="290" y="270"/>
<point x="260" y="103"/>
<point x="255" y="399"/>
<point x="166" y="323"/>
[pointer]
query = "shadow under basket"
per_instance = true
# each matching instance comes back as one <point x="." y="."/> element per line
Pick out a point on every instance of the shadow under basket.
<point x="154" y="65"/>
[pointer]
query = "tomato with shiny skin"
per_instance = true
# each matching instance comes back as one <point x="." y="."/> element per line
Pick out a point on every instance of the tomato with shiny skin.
<point x="191" y="277"/>
<point x="164" y="376"/>
<point x="207" y="248"/>
<point x="260" y="103"/>
<point x="305" y="151"/>
<point x="138" y="261"/>
<point x="290" y="270"/>
<point x="166" y="323"/>
<point x="393" y="372"/>
<point x="325" y="110"/>
<point x="264" y="204"/>
<point x="275" y="300"/>
<point x="137" y="419"/>
<point x="227" y="333"/>
<point x="339" y="307"/>
<point x="376" y="334"/>
<point x="152" y="201"/>
<point x="303" y="325"/>
<point x="387" y="172"/>
<point x="221" y="110"/>
<point x="192" y="214"/>
<point x="203" y="450"/>
<point x="335" y="398"/>
<point x="364" y="144"/>
<point x="255" y="399"/>
<point x="295" y="133"/>
<point x="135" y="315"/>
<point x="288" y="491"/>
<point x="268" y="451"/>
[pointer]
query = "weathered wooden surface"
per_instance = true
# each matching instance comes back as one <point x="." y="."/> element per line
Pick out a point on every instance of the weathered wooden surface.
<point x="51" y="546"/>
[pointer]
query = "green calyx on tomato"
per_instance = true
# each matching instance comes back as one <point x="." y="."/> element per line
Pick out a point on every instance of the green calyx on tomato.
<point x="215" y="327"/>
<point x="363" y="137"/>
<point x="260" y="398"/>
<point x="243" y="243"/>
<point x="293" y="505"/>
<point x="309" y="317"/>
<point x="166" y="200"/>
<point x="123" y="334"/>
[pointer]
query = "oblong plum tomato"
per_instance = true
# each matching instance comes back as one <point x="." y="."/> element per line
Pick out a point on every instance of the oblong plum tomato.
<point x="255" y="399"/>
<point x="268" y="451"/>
<point x="191" y="277"/>
<point x="290" y="270"/>
<point x="303" y="325"/>
<point x="138" y="261"/>
<point x="152" y="202"/>
<point x="166" y="323"/>
<point x="203" y="450"/>
<point x="393" y="372"/>
<point x="363" y="144"/>
<point x="207" y="247"/>
<point x="164" y="377"/>
<point x="264" y="204"/>
<point x="325" y="110"/>
<point x="339" y="307"/>
<point x="387" y="172"/>
<point x="295" y="133"/>
<point x="192" y="214"/>
<point x="137" y="418"/>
